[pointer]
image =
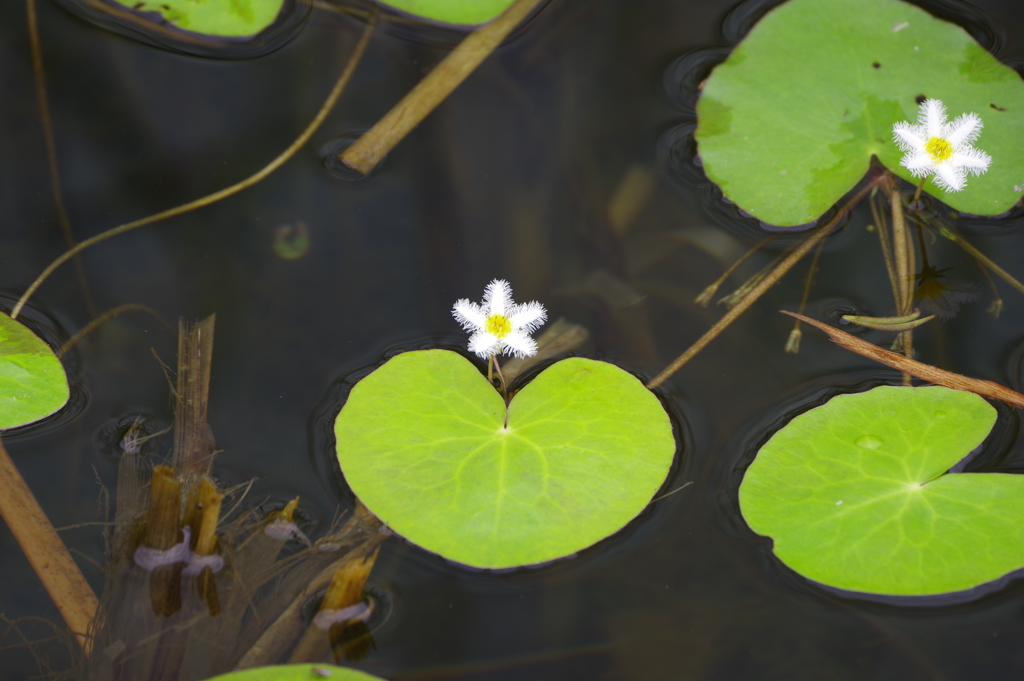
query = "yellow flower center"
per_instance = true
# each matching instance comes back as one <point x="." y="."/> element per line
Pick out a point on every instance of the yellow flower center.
<point x="499" y="325"/>
<point x="939" y="149"/>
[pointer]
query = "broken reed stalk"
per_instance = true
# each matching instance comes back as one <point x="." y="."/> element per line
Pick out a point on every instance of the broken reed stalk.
<point x="759" y="290"/>
<point x="193" y="440"/>
<point x="106" y="317"/>
<point x="345" y="591"/>
<point x="163" y="531"/>
<point x="313" y="126"/>
<point x="364" y="155"/>
<point x="202" y="515"/>
<point x="39" y="74"/>
<point x="46" y="552"/>
<point x="923" y="371"/>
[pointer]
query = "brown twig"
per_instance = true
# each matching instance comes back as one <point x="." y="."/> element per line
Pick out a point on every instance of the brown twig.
<point x="364" y="155"/>
<point x="51" y="149"/>
<point x="106" y="317"/>
<point x="921" y="370"/>
<point x="45" y="551"/>
<point x="759" y="290"/>
<point x="328" y="104"/>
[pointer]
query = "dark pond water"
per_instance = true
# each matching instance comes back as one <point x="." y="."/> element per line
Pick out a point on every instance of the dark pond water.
<point x="512" y="177"/>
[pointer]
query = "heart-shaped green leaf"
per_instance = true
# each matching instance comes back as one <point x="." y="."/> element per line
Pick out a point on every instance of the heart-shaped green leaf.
<point x="32" y="380"/>
<point x="465" y="12"/>
<point x="855" y="494"/>
<point x="789" y="122"/>
<point x="298" y="672"/>
<point x="423" y="442"/>
<point x="227" y="18"/>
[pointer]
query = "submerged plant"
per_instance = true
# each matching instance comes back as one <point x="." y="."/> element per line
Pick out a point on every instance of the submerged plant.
<point x="935" y="146"/>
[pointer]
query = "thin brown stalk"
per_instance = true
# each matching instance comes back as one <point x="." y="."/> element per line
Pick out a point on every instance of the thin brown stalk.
<point x="903" y="250"/>
<point x="47" y="554"/>
<point x="793" y="343"/>
<point x="328" y="104"/>
<point x="39" y="73"/>
<point x="106" y="317"/>
<point x="921" y="370"/>
<point x="746" y="287"/>
<point x="364" y="155"/>
<point x="759" y="290"/>
<point x="981" y="257"/>
<point x="883" y="237"/>
<point x="708" y="293"/>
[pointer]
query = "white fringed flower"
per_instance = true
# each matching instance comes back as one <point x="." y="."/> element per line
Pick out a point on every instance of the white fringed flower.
<point x="499" y="325"/>
<point x="935" y="146"/>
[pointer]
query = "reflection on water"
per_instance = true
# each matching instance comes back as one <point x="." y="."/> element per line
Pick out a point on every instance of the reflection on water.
<point x="516" y="176"/>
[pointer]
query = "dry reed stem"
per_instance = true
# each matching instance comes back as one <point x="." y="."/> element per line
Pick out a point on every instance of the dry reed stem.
<point x="923" y="371"/>
<point x="163" y="531"/>
<point x="314" y="125"/>
<point x="193" y="441"/>
<point x="364" y="155"/>
<point x="345" y="589"/>
<point x="46" y="552"/>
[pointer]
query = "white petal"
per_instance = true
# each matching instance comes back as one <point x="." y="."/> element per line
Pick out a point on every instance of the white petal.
<point x="469" y="315"/>
<point x="974" y="160"/>
<point x="963" y="130"/>
<point x="932" y="116"/>
<point x="484" y="344"/>
<point x="497" y="297"/>
<point x="918" y="164"/>
<point x="908" y="137"/>
<point x="520" y="344"/>
<point x="528" y="316"/>
<point x="949" y="177"/>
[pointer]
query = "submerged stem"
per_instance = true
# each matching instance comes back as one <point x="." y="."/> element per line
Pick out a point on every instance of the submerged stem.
<point x="759" y="290"/>
<point x="43" y="101"/>
<point x="903" y="249"/>
<point x="328" y="104"/>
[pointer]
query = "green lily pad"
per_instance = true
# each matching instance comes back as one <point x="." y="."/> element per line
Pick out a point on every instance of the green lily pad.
<point x="855" y="495"/>
<point x="298" y="672"/>
<point x="789" y="122"/>
<point x="227" y="18"/>
<point x="423" y="442"/>
<point x="32" y="380"/>
<point x="466" y="12"/>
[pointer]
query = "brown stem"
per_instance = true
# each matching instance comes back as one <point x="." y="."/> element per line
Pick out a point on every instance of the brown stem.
<point x="39" y="73"/>
<point x="793" y="344"/>
<point x="46" y="552"/>
<point x="921" y="370"/>
<point x="707" y="294"/>
<point x="920" y="186"/>
<point x="981" y="257"/>
<point x="903" y="253"/>
<point x="364" y="155"/>
<point x="759" y="290"/>
<point x="328" y="104"/>
<point x="106" y="317"/>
